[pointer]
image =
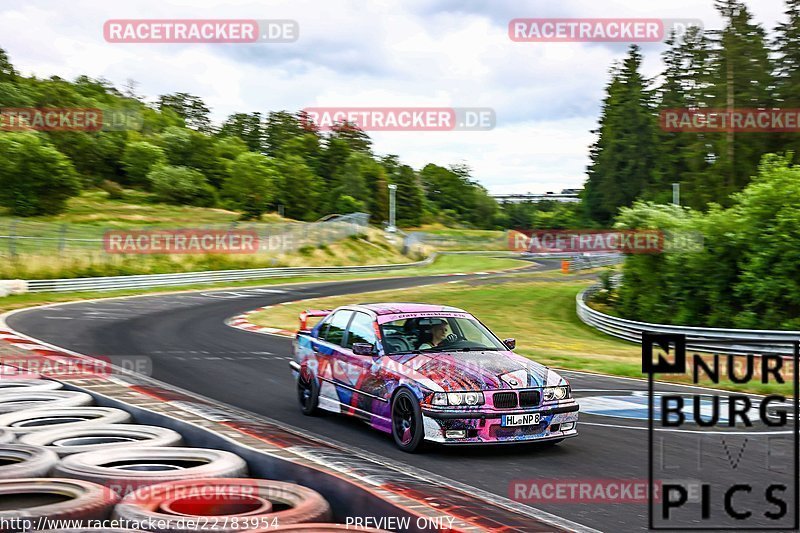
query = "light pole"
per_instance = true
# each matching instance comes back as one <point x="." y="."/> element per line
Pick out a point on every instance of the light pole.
<point x="676" y="193"/>
<point x="392" y="192"/>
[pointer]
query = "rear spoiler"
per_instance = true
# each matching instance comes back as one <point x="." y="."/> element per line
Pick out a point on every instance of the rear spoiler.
<point x="309" y="313"/>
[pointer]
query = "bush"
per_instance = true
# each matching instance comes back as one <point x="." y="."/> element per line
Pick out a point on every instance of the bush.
<point x="181" y="185"/>
<point x="113" y="189"/>
<point x="139" y="159"/>
<point x="35" y="178"/>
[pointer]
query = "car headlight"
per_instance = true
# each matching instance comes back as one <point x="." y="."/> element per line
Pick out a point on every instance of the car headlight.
<point x="473" y="398"/>
<point x="439" y="398"/>
<point x="555" y="393"/>
<point x="457" y="399"/>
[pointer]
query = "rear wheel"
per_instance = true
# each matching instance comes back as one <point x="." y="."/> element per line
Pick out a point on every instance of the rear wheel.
<point x="407" y="428"/>
<point x="308" y="393"/>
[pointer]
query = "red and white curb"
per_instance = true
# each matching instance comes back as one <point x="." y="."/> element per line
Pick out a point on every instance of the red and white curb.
<point x="243" y="322"/>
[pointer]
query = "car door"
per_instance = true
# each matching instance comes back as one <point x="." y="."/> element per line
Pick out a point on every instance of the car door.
<point x="327" y="347"/>
<point x="362" y="374"/>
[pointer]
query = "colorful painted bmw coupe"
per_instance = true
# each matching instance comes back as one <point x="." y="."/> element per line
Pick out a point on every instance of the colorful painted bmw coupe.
<point x="428" y="372"/>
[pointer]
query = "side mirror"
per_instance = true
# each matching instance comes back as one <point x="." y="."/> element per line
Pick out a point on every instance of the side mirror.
<point x="510" y="343"/>
<point x="363" y="348"/>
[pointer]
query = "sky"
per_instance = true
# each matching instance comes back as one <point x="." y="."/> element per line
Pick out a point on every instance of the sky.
<point x="361" y="53"/>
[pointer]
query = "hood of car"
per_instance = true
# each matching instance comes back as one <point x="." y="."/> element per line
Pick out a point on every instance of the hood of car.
<point x="479" y="370"/>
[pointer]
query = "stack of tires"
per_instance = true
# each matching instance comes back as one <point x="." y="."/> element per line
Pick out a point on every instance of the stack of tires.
<point x="64" y="459"/>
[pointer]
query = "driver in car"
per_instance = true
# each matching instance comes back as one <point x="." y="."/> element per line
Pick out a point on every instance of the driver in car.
<point x="438" y="336"/>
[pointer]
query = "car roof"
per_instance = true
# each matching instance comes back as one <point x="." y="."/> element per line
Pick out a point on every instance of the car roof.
<point x="390" y="308"/>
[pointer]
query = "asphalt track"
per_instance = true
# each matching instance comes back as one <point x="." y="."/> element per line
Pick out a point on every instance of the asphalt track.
<point x="188" y="344"/>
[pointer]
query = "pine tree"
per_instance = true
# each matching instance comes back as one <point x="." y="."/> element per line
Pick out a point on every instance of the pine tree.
<point x="787" y="73"/>
<point x="743" y="73"/>
<point x="623" y="157"/>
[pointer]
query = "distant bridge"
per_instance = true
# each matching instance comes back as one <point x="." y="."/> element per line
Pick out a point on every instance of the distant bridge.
<point x="566" y="196"/>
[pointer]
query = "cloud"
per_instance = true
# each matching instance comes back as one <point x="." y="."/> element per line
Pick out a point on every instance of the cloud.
<point x="354" y="53"/>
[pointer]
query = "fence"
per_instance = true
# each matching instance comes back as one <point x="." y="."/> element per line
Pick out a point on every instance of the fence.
<point x="149" y="281"/>
<point x="477" y="240"/>
<point x="19" y="238"/>
<point x="717" y="340"/>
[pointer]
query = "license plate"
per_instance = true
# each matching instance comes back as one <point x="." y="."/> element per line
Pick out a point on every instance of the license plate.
<point x="528" y="419"/>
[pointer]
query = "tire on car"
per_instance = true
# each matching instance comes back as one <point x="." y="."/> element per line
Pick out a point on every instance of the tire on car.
<point x="96" y="437"/>
<point x="408" y="429"/>
<point x="29" y="384"/>
<point x="308" y="392"/>
<point x="17" y="400"/>
<point x="24" y="460"/>
<point x="127" y="469"/>
<point x="258" y="501"/>
<point x="53" y="499"/>
<point x="43" y="419"/>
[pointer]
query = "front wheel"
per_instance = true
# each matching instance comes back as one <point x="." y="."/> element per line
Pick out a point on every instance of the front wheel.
<point x="308" y="393"/>
<point x="407" y="427"/>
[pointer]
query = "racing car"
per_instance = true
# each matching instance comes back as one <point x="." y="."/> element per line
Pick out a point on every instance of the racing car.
<point x="426" y="372"/>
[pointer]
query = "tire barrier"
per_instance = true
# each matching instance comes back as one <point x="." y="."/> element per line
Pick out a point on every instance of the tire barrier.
<point x="127" y="469"/>
<point x="28" y="384"/>
<point x="17" y="400"/>
<point x="235" y="504"/>
<point x="52" y="499"/>
<point x="91" y="438"/>
<point x="24" y="460"/>
<point x="34" y="420"/>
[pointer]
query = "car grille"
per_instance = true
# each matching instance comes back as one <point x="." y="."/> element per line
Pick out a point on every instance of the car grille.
<point x="529" y="398"/>
<point x="505" y="400"/>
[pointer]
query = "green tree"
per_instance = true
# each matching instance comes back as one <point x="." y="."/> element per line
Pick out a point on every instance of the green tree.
<point x="247" y="127"/>
<point x="301" y="191"/>
<point x="35" y="178"/>
<point x="191" y="108"/>
<point x="280" y="128"/>
<point x="139" y="159"/>
<point x="623" y="157"/>
<point x="251" y="185"/>
<point x="181" y="185"/>
<point x="742" y="71"/>
<point x="787" y="71"/>
<point x="409" y="194"/>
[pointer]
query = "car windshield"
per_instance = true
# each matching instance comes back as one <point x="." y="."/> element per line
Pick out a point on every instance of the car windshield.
<point x="437" y="334"/>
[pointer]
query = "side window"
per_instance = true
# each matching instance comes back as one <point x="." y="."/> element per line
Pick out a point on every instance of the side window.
<point x="361" y="330"/>
<point x="334" y="333"/>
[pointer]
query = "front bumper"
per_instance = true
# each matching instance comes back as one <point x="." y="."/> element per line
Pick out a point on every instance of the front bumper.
<point x="485" y="427"/>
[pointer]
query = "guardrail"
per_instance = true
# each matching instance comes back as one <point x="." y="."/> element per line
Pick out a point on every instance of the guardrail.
<point x="147" y="281"/>
<point x="717" y="340"/>
<point x="595" y="261"/>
